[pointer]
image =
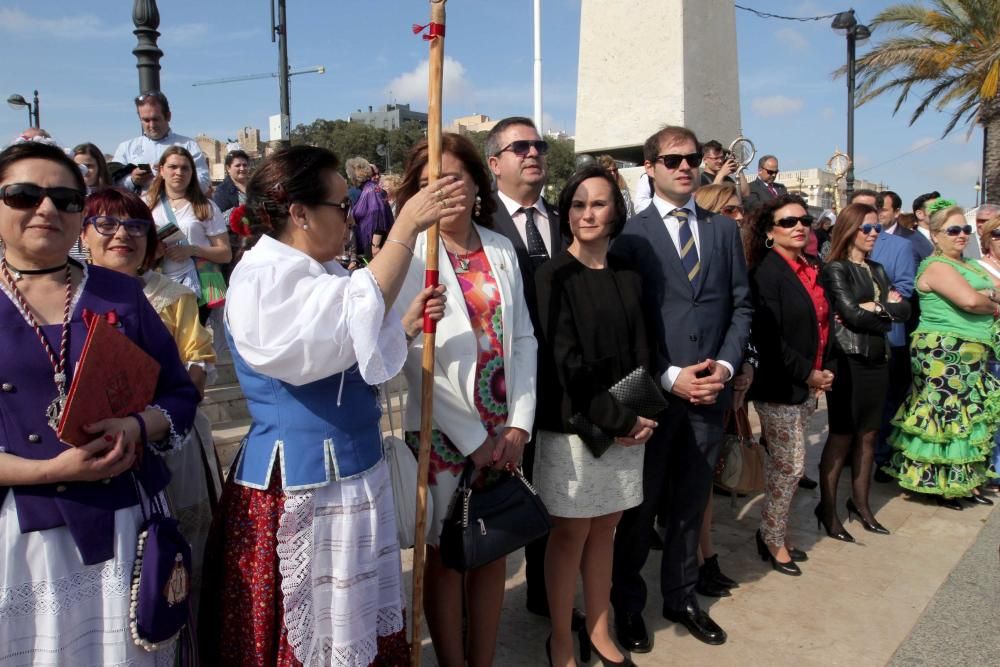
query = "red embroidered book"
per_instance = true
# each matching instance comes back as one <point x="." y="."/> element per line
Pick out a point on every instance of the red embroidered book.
<point x="114" y="377"/>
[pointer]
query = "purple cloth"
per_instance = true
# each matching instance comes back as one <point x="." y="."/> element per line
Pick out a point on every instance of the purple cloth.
<point x="372" y="216"/>
<point x="85" y="508"/>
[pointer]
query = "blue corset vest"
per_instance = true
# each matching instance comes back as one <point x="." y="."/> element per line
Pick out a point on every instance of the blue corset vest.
<point x="323" y="431"/>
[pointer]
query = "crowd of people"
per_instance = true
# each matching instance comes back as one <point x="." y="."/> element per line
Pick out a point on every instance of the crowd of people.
<point x="718" y="292"/>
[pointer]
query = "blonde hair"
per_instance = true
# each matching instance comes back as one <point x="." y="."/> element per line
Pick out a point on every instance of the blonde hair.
<point x="984" y="234"/>
<point x="937" y="220"/>
<point x="713" y="197"/>
<point x="358" y="170"/>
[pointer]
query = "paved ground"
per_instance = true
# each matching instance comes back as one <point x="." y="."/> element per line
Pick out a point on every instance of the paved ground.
<point x="856" y="604"/>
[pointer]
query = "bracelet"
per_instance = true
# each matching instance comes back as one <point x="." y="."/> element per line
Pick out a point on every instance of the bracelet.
<point x="142" y="427"/>
<point x="399" y="242"/>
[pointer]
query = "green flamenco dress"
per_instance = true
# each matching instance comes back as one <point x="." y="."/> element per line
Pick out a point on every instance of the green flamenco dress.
<point x="943" y="432"/>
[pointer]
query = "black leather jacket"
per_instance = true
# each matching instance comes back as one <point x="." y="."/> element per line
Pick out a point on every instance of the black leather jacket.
<point x="856" y="330"/>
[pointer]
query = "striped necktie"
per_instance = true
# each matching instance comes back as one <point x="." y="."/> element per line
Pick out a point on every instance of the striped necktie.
<point x="685" y="241"/>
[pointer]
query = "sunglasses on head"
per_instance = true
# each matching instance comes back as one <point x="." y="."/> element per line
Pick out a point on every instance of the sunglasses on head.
<point x="790" y="221"/>
<point x="108" y="225"/>
<point x="522" y="147"/>
<point x="955" y="230"/>
<point x="150" y="95"/>
<point x="23" y="196"/>
<point x="868" y="228"/>
<point x="673" y="160"/>
<point x="730" y="210"/>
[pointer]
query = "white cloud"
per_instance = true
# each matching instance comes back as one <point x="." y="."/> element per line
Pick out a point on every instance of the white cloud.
<point x="828" y="113"/>
<point x="83" y="26"/>
<point x="411" y="87"/>
<point x="775" y="105"/>
<point x="922" y="142"/>
<point x="792" y="38"/>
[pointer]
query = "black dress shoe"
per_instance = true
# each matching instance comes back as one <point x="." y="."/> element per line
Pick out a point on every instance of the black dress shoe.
<point x="697" y="621"/>
<point x="976" y="499"/>
<point x="631" y="632"/>
<point x="710" y="568"/>
<point x="872" y="526"/>
<point x="841" y="534"/>
<point x="950" y="503"/>
<point x="711" y="588"/>
<point x="882" y="477"/>
<point x="797" y="555"/>
<point x="655" y="541"/>
<point x="788" y="567"/>
<point x="806" y="483"/>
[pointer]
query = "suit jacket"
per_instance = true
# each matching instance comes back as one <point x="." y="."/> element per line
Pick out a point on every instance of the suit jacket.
<point x="692" y="322"/>
<point x="504" y="224"/>
<point x="922" y="248"/>
<point x="899" y="260"/>
<point x="785" y="332"/>
<point x="760" y="195"/>
<point x="455" y="361"/>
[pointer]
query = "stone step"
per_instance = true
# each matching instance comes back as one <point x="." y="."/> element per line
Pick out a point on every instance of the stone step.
<point x="227" y="437"/>
<point x="224" y="403"/>
<point x="225" y="373"/>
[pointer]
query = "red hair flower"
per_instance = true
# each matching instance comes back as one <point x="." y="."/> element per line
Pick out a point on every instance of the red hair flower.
<point x="237" y="221"/>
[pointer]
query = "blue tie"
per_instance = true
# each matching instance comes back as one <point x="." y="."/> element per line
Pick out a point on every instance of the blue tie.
<point x="687" y="249"/>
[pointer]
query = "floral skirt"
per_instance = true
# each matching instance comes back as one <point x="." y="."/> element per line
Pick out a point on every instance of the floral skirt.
<point x="305" y="578"/>
<point x="943" y="433"/>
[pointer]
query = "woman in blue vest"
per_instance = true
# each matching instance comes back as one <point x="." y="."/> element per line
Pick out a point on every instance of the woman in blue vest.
<point x="304" y="551"/>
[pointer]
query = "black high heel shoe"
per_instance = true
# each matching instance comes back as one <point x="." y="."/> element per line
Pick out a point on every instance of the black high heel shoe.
<point x="548" y="649"/>
<point x="584" y="638"/>
<point x="872" y="526"/>
<point x="586" y="643"/>
<point x="789" y="568"/>
<point x="842" y="535"/>
<point x="950" y="503"/>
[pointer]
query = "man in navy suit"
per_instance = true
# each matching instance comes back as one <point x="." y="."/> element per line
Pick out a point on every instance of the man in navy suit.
<point x="765" y="188"/>
<point x="516" y="156"/>
<point x="697" y="296"/>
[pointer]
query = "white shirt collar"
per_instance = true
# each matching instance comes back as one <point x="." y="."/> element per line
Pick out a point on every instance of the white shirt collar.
<point x="513" y="207"/>
<point x="664" y="208"/>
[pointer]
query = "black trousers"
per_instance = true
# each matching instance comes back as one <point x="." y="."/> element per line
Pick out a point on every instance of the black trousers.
<point x="900" y="378"/>
<point x="677" y="478"/>
<point x="534" y="553"/>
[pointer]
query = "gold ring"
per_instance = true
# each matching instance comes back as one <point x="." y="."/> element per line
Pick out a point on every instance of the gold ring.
<point x="440" y="195"/>
<point x="444" y="203"/>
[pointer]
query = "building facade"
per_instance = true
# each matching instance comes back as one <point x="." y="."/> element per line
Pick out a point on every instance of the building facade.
<point x="819" y="187"/>
<point x="389" y="116"/>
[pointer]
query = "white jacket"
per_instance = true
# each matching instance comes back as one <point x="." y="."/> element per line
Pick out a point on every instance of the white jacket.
<point x="456" y="353"/>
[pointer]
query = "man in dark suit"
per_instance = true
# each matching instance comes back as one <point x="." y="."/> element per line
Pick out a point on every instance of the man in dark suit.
<point x="697" y="296"/>
<point x="516" y="156"/>
<point x="889" y="217"/>
<point x="765" y="188"/>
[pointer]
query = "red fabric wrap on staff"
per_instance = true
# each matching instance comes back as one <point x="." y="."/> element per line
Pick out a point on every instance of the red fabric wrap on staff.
<point x="430" y="280"/>
<point x="434" y="30"/>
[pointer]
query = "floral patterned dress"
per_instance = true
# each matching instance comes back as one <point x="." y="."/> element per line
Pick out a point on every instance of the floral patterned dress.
<point x="482" y="300"/>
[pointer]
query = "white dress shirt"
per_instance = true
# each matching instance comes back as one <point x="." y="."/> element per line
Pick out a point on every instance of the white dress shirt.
<point x="643" y="193"/>
<point x="665" y="209"/>
<point x="521" y="220"/>
<point x="143" y="150"/>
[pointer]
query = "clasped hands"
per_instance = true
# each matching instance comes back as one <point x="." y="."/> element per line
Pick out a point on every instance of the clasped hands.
<point x="701" y="383"/>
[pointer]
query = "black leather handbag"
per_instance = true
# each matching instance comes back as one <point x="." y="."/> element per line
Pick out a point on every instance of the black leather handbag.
<point x="637" y="391"/>
<point x="486" y="524"/>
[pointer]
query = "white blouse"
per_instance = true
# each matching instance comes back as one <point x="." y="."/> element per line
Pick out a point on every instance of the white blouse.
<point x="298" y="320"/>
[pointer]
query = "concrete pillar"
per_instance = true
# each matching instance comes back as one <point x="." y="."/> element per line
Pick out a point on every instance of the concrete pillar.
<point x="648" y="63"/>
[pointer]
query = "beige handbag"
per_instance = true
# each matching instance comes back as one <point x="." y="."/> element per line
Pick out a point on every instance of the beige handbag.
<point x="740" y="469"/>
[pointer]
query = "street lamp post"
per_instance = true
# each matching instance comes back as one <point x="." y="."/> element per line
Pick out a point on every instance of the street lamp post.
<point x="978" y="188"/>
<point x="279" y="32"/>
<point x="17" y="101"/>
<point x="146" y="18"/>
<point x="856" y="32"/>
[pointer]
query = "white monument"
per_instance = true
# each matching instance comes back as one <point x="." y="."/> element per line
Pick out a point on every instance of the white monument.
<point x="648" y="63"/>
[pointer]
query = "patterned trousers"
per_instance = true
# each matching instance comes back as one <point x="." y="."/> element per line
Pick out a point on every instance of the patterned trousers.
<point x="784" y="428"/>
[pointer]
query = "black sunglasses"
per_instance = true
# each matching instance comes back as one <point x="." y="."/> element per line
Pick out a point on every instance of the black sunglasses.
<point x="150" y="95"/>
<point x="995" y="234"/>
<point x="22" y="196"/>
<point x="108" y="225"/>
<point x="735" y="208"/>
<point x="772" y="172"/>
<point x="867" y="228"/>
<point x="673" y="160"/>
<point x="522" y="147"/>
<point x="344" y="206"/>
<point x="790" y="221"/>
<point x="955" y="230"/>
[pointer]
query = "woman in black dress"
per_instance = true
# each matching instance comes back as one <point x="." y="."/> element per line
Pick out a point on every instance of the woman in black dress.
<point x="592" y="335"/>
<point x="865" y="304"/>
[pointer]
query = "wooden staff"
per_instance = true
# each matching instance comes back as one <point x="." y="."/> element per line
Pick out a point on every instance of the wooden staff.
<point x="436" y="69"/>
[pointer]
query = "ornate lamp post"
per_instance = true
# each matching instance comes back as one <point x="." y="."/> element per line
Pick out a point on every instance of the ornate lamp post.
<point x="17" y="101"/>
<point x="146" y="19"/>
<point x="846" y="23"/>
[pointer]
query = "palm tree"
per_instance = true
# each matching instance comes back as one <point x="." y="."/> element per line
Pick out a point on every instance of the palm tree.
<point x="951" y="53"/>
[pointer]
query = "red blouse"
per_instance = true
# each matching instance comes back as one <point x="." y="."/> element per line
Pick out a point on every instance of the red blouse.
<point x="808" y="275"/>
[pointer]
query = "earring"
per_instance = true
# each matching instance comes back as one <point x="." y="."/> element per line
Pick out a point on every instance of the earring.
<point x="769" y="242"/>
<point x="477" y="208"/>
<point x="305" y="225"/>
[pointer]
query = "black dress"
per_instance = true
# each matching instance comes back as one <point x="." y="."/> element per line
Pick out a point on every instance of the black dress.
<point x="593" y="334"/>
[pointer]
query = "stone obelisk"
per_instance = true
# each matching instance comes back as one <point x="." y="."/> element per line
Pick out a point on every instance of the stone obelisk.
<point x="648" y="63"/>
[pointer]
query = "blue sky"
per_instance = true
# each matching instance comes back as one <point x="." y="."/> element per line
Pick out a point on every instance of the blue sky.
<point x="79" y="57"/>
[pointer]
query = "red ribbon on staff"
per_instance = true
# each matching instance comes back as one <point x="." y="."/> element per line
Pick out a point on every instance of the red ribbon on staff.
<point x="430" y="280"/>
<point x="436" y="30"/>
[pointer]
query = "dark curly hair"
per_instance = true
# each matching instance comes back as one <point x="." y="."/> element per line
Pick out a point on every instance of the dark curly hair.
<point x="760" y="223"/>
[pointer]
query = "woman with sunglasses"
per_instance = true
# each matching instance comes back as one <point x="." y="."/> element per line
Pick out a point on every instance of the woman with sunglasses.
<point x="303" y="565"/>
<point x="989" y="234"/>
<point x="865" y="305"/>
<point x="70" y="515"/>
<point x="791" y="332"/>
<point x="943" y="433"/>
<point x="176" y="198"/>
<point x="119" y="234"/>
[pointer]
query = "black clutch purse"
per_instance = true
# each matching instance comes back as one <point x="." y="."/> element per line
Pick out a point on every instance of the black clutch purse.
<point x="487" y="524"/>
<point x="636" y="391"/>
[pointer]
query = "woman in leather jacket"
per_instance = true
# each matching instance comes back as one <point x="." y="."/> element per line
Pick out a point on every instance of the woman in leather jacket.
<point x="865" y="304"/>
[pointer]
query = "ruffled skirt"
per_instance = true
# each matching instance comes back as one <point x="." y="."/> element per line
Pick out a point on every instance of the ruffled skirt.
<point x="943" y="433"/>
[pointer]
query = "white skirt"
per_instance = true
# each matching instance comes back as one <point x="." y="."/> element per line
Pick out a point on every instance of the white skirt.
<point x="341" y="574"/>
<point x="54" y="610"/>
<point x="574" y="484"/>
